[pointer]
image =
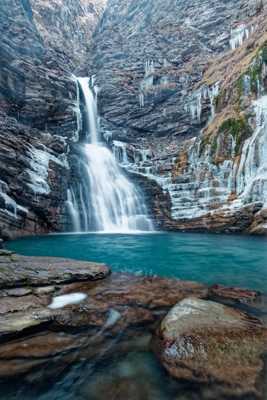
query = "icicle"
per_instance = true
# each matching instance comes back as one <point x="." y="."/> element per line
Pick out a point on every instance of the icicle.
<point x="141" y="100"/>
<point x="10" y="205"/>
<point x="239" y="35"/>
<point x="213" y="92"/>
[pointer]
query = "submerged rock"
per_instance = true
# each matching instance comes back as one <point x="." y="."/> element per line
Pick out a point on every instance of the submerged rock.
<point x="40" y="295"/>
<point x="214" y="345"/>
<point x="239" y="295"/>
<point x="95" y="319"/>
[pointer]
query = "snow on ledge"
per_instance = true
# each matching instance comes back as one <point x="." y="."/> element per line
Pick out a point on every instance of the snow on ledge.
<point x="67" y="299"/>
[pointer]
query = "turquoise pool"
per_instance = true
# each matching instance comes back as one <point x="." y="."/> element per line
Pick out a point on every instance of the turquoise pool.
<point x="227" y="259"/>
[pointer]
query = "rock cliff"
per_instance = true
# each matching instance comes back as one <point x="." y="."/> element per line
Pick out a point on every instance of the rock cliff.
<point x="181" y="104"/>
<point x="42" y="44"/>
<point x="204" y="142"/>
<point x="148" y="56"/>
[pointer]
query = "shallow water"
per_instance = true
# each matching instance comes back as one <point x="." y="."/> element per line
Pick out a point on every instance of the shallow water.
<point x="231" y="260"/>
<point x="136" y="374"/>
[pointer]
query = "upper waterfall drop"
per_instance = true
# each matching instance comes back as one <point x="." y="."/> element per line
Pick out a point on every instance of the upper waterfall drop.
<point x="91" y="109"/>
<point x="105" y="200"/>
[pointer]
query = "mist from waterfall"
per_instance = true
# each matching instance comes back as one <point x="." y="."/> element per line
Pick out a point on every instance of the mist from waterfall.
<point x="105" y="200"/>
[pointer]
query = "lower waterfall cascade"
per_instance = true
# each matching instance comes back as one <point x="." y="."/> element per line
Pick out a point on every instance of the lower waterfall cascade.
<point x="105" y="200"/>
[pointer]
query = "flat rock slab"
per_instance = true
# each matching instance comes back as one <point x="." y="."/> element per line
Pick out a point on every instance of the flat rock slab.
<point x="135" y="299"/>
<point x="208" y="343"/>
<point x="118" y="303"/>
<point x="18" y="271"/>
<point x="89" y="312"/>
<point x="239" y="295"/>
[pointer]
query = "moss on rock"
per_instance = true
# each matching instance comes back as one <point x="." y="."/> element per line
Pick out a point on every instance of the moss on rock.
<point x="238" y="128"/>
<point x="264" y="54"/>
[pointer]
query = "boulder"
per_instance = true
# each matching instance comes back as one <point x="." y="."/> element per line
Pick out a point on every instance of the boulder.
<point x="216" y="346"/>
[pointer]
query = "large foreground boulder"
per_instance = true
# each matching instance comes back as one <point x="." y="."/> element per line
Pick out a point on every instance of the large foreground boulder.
<point x="216" y="346"/>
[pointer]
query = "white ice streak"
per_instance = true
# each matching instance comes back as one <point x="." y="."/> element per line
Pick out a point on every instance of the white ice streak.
<point x="67" y="299"/>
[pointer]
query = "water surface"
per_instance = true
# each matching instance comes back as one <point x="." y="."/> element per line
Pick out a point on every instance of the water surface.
<point x="231" y="260"/>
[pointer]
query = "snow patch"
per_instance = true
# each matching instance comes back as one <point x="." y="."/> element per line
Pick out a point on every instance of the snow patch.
<point x="67" y="299"/>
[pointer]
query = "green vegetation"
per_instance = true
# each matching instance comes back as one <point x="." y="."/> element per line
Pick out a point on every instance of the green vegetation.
<point x="239" y="129"/>
<point x="240" y="86"/>
<point x="214" y="146"/>
<point x="204" y="142"/>
<point x="255" y="75"/>
<point x="254" y="71"/>
<point x="264" y="54"/>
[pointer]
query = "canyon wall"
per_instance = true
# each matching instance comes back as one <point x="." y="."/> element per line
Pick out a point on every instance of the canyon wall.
<point x="42" y="44"/>
<point x="181" y="103"/>
<point x="183" y="96"/>
<point x="148" y="57"/>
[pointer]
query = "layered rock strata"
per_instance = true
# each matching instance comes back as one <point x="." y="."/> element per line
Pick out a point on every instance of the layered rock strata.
<point x="42" y="45"/>
<point x="217" y="180"/>
<point x="166" y="72"/>
<point x="61" y="313"/>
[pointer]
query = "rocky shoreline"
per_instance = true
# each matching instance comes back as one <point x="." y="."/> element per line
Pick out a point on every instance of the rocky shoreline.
<point x="57" y="312"/>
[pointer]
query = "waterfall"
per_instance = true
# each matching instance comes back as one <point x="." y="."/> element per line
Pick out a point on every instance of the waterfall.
<point x="91" y="110"/>
<point x="106" y="200"/>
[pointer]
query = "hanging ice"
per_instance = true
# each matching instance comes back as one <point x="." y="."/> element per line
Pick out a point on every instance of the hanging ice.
<point x="252" y="171"/>
<point x="195" y="104"/>
<point x="239" y="35"/>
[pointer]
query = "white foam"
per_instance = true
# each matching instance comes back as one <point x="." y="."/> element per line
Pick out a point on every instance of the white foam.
<point x="105" y="200"/>
<point x="67" y="299"/>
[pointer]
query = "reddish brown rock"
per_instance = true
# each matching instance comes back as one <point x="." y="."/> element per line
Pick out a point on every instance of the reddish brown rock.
<point x="112" y="317"/>
<point x="118" y="303"/>
<point x="213" y="345"/>
<point x="231" y="293"/>
<point x="18" y="270"/>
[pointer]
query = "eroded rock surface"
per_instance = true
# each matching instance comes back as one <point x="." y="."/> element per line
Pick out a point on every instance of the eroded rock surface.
<point x="215" y="345"/>
<point x="40" y="271"/>
<point x="43" y="44"/>
<point x="98" y="314"/>
<point x="152" y="62"/>
<point x="111" y="305"/>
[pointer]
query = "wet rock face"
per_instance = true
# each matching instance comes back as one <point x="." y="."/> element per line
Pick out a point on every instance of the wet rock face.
<point x="208" y="343"/>
<point x="156" y="54"/>
<point x="17" y="271"/>
<point x="37" y="97"/>
<point x="165" y="73"/>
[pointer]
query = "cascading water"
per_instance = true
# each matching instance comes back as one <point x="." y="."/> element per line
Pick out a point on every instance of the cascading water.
<point x="91" y="110"/>
<point x="106" y="200"/>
